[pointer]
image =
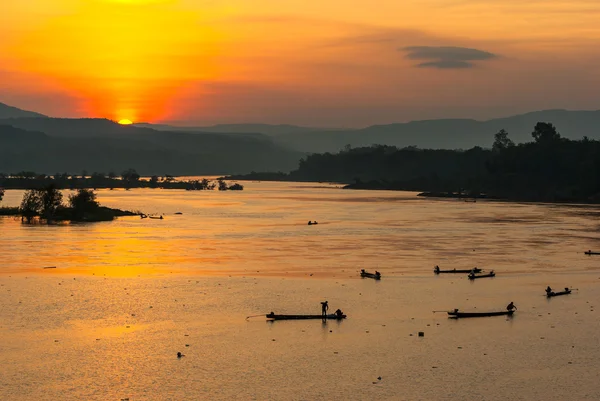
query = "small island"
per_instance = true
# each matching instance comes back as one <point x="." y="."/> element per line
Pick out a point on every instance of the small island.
<point x="46" y="205"/>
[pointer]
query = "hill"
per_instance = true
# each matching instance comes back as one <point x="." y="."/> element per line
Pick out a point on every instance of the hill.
<point x="446" y="133"/>
<point x="266" y="129"/>
<point x="48" y="145"/>
<point x="7" y="111"/>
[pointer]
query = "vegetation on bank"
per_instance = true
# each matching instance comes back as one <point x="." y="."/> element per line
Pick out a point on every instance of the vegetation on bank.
<point x="47" y="205"/>
<point x="127" y="180"/>
<point x="549" y="169"/>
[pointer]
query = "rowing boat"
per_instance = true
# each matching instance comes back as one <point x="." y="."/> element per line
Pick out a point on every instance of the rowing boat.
<point x="473" y="276"/>
<point x="457" y="314"/>
<point x="376" y="276"/>
<point x="591" y="253"/>
<point x="475" y="270"/>
<point x="332" y="316"/>
<point x="555" y="294"/>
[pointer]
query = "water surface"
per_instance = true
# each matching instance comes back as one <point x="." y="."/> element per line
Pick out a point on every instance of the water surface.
<point x="126" y="296"/>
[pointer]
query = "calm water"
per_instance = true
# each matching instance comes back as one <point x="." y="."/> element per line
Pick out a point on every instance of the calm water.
<point x="126" y="296"/>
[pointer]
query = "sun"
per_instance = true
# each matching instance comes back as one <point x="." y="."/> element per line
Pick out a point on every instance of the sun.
<point x="125" y="122"/>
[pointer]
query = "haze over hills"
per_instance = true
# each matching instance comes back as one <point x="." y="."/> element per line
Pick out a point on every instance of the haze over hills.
<point x="7" y="111"/>
<point x="431" y="134"/>
<point x="447" y="133"/>
<point x="267" y="129"/>
<point x="31" y="141"/>
<point x="49" y="145"/>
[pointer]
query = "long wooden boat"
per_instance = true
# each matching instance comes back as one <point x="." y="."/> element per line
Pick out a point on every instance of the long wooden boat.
<point x="457" y="314"/>
<point x="556" y="294"/>
<point x="376" y="276"/>
<point x="331" y="316"/>
<point x="476" y="270"/>
<point x="473" y="276"/>
<point x="591" y="253"/>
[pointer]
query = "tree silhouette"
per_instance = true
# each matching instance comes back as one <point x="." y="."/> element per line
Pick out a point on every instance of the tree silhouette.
<point x="130" y="177"/>
<point x="31" y="204"/>
<point x="545" y="133"/>
<point x="82" y="202"/>
<point x="51" y="199"/>
<point x="502" y="141"/>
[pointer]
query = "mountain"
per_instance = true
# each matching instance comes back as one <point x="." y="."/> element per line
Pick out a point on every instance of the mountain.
<point x="47" y="145"/>
<point x="7" y="111"/>
<point x="267" y="129"/>
<point x="447" y="133"/>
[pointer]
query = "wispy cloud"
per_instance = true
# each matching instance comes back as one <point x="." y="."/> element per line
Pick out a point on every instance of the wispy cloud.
<point x="446" y="57"/>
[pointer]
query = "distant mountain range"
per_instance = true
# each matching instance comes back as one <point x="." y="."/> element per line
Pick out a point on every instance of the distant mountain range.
<point x="7" y="111"/>
<point x="32" y="141"/>
<point x="433" y="134"/>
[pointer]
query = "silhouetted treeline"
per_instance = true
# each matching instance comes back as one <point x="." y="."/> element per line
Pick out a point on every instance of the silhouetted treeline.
<point x="127" y="179"/>
<point x="550" y="168"/>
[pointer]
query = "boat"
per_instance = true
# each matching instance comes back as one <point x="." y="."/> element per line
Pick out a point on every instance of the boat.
<point x="591" y="253"/>
<point x="332" y="316"/>
<point x="156" y="217"/>
<point x="456" y="314"/>
<point x="473" y="276"/>
<point x="437" y="270"/>
<point x="376" y="275"/>
<point x="555" y="294"/>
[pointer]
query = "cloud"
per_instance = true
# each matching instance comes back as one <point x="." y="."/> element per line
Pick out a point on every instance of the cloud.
<point x="446" y="57"/>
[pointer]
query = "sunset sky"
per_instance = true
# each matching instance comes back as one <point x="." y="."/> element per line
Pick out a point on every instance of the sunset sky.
<point x="323" y="63"/>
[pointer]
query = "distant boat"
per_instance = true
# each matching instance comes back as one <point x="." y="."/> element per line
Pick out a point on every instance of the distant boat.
<point x="474" y="276"/>
<point x="376" y="275"/>
<point x="437" y="270"/>
<point x="556" y="294"/>
<point x="156" y="217"/>
<point x="591" y="253"/>
<point x="456" y="314"/>
<point x="332" y="316"/>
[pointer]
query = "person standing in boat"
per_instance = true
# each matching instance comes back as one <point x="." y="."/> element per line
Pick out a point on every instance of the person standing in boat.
<point x="324" y="307"/>
<point x="510" y="307"/>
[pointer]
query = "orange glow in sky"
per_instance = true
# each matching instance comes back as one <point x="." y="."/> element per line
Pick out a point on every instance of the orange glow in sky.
<point x="342" y="63"/>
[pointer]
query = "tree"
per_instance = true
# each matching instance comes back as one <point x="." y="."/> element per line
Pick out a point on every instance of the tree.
<point x="51" y="199"/>
<point x="129" y="177"/>
<point x="222" y="185"/>
<point x="545" y="133"/>
<point x="502" y="141"/>
<point x="1" y="193"/>
<point x="31" y="204"/>
<point x="82" y="202"/>
<point x="153" y="181"/>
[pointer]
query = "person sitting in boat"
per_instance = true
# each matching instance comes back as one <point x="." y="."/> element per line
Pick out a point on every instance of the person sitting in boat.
<point x="567" y="289"/>
<point x="324" y="307"/>
<point x="377" y="273"/>
<point x="471" y="275"/>
<point x="310" y="223"/>
<point x="548" y="290"/>
<point x="436" y="269"/>
<point x="339" y="313"/>
<point x="510" y="307"/>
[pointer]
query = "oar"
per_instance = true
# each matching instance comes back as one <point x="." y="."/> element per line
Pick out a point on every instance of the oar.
<point x="437" y="311"/>
<point x="262" y="314"/>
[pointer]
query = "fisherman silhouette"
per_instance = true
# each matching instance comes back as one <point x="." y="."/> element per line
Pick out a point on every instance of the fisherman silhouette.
<point x="324" y="307"/>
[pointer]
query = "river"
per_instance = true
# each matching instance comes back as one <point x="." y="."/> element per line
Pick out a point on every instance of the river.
<point x="123" y="297"/>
